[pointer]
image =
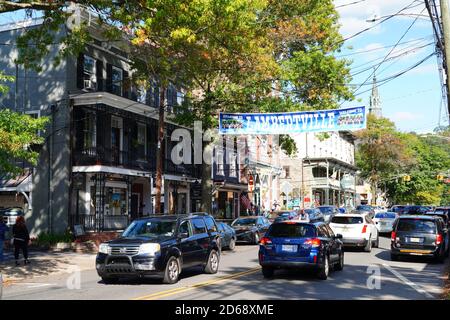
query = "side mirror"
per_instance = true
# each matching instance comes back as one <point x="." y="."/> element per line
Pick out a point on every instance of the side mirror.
<point x="338" y="236"/>
<point x="183" y="235"/>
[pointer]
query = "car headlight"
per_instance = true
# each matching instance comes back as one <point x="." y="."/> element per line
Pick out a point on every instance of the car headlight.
<point x="104" y="248"/>
<point x="149" y="248"/>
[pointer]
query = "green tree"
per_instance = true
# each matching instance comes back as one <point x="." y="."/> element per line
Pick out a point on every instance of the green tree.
<point x="18" y="134"/>
<point x="432" y="157"/>
<point x="380" y="152"/>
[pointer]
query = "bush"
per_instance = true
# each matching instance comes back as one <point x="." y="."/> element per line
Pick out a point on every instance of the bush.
<point x="49" y="239"/>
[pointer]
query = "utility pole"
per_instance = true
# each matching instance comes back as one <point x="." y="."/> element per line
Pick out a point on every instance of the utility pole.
<point x="445" y="16"/>
<point x="160" y="151"/>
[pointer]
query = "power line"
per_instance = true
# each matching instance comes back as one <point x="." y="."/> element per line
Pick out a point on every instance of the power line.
<point x="349" y="4"/>
<point x="384" y="47"/>
<point x="390" y="51"/>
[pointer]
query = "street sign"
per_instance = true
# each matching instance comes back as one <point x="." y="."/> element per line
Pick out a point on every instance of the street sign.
<point x="251" y="184"/>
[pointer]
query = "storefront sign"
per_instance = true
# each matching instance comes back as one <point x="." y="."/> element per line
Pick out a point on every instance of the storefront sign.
<point x="293" y="122"/>
<point x="251" y="184"/>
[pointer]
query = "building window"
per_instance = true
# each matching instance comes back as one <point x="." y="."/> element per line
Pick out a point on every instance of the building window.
<point x="89" y="73"/>
<point x="117" y="80"/>
<point x="141" y="141"/>
<point x="233" y="171"/>
<point x="287" y="173"/>
<point x="90" y="132"/>
<point x="219" y="162"/>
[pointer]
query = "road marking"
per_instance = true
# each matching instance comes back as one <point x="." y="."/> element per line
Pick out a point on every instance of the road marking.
<point x="170" y="292"/>
<point x="409" y="283"/>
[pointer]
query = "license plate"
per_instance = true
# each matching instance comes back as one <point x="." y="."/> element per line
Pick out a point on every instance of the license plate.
<point x="289" y="248"/>
<point x="415" y="240"/>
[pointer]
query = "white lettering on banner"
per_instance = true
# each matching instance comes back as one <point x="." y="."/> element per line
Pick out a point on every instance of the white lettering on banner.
<point x="323" y="115"/>
<point x="297" y="121"/>
<point x="330" y="120"/>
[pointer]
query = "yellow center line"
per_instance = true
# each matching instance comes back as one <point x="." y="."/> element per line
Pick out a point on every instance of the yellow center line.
<point x="170" y="292"/>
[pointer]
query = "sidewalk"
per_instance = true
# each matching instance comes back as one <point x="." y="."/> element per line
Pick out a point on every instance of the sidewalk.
<point x="44" y="263"/>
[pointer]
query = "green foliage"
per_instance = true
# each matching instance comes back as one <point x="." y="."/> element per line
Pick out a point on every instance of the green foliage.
<point x="18" y="134"/>
<point x="50" y="239"/>
<point x="432" y="157"/>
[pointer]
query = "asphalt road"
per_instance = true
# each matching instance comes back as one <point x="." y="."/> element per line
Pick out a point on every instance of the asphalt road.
<point x="365" y="276"/>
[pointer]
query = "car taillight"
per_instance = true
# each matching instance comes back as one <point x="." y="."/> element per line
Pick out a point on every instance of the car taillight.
<point x="313" y="242"/>
<point x="393" y="235"/>
<point x="364" y="228"/>
<point x="438" y="239"/>
<point x="264" y="241"/>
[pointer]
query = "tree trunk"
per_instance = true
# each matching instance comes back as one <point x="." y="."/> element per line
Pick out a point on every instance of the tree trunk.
<point x="374" y="187"/>
<point x="160" y="151"/>
<point x="207" y="184"/>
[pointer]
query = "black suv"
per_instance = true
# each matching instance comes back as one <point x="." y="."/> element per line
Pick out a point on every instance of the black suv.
<point x="161" y="246"/>
<point x="419" y="235"/>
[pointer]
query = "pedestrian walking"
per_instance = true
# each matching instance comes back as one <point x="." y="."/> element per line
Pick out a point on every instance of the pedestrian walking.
<point x="3" y="229"/>
<point x="21" y="238"/>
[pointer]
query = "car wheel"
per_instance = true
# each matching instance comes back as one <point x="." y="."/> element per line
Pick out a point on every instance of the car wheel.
<point x="232" y="244"/>
<point x="267" y="272"/>
<point x="324" y="270"/>
<point x="394" y="257"/>
<point x="368" y="247"/>
<point x="377" y="242"/>
<point x="212" y="266"/>
<point x="256" y="238"/>
<point x="110" y="280"/>
<point x="340" y="265"/>
<point x="172" y="271"/>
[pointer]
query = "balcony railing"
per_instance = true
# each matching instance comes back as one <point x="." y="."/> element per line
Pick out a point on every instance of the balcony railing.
<point x="110" y="157"/>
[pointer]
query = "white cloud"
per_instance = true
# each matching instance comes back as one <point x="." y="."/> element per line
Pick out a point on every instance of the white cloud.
<point x="424" y="69"/>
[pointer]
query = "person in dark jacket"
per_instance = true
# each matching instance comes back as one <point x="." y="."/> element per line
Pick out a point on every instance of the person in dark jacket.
<point x="3" y="229"/>
<point x="21" y="238"/>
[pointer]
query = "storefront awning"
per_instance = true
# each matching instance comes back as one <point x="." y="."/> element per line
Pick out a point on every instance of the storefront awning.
<point x="20" y="183"/>
<point x="107" y="169"/>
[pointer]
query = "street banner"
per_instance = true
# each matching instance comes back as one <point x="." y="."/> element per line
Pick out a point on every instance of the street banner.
<point x="347" y="119"/>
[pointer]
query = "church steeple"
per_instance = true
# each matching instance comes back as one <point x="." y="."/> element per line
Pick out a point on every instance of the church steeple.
<point x="375" y="101"/>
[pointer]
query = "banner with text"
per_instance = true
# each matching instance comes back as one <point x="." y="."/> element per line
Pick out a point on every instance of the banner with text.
<point x="293" y="122"/>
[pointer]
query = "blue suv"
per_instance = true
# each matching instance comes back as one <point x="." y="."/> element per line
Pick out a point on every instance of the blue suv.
<point x="292" y="244"/>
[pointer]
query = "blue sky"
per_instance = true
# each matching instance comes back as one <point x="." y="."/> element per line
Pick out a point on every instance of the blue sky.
<point x="412" y="100"/>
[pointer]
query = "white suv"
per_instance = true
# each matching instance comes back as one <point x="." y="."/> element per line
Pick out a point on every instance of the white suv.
<point x="357" y="230"/>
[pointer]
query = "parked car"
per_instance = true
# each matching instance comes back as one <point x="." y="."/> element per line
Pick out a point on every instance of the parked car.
<point x="443" y="210"/>
<point x="10" y="215"/>
<point x="419" y="235"/>
<point x="397" y="209"/>
<point x="328" y="212"/>
<point x="357" y="230"/>
<point x="286" y="215"/>
<point x="384" y="221"/>
<point x="227" y="236"/>
<point x="366" y="208"/>
<point x="250" y="229"/>
<point x="414" y="209"/>
<point x="441" y="215"/>
<point x="293" y="244"/>
<point x="315" y="215"/>
<point x="161" y="246"/>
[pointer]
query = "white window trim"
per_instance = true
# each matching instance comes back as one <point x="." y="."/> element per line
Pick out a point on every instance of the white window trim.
<point x="93" y="74"/>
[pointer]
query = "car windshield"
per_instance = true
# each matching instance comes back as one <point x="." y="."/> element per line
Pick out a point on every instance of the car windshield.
<point x="326" y="210"/>
<point x="150" y="228"/>
<point x="244" y="222"/>
<point x="285" y="230"/>
<point x="347" y="220"/>
<point x="386" y="215"/>
<point x="366" y="208"/>
<point x="416" y="225"/>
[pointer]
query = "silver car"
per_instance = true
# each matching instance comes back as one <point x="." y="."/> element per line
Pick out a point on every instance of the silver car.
<point x="384" y="221"/>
